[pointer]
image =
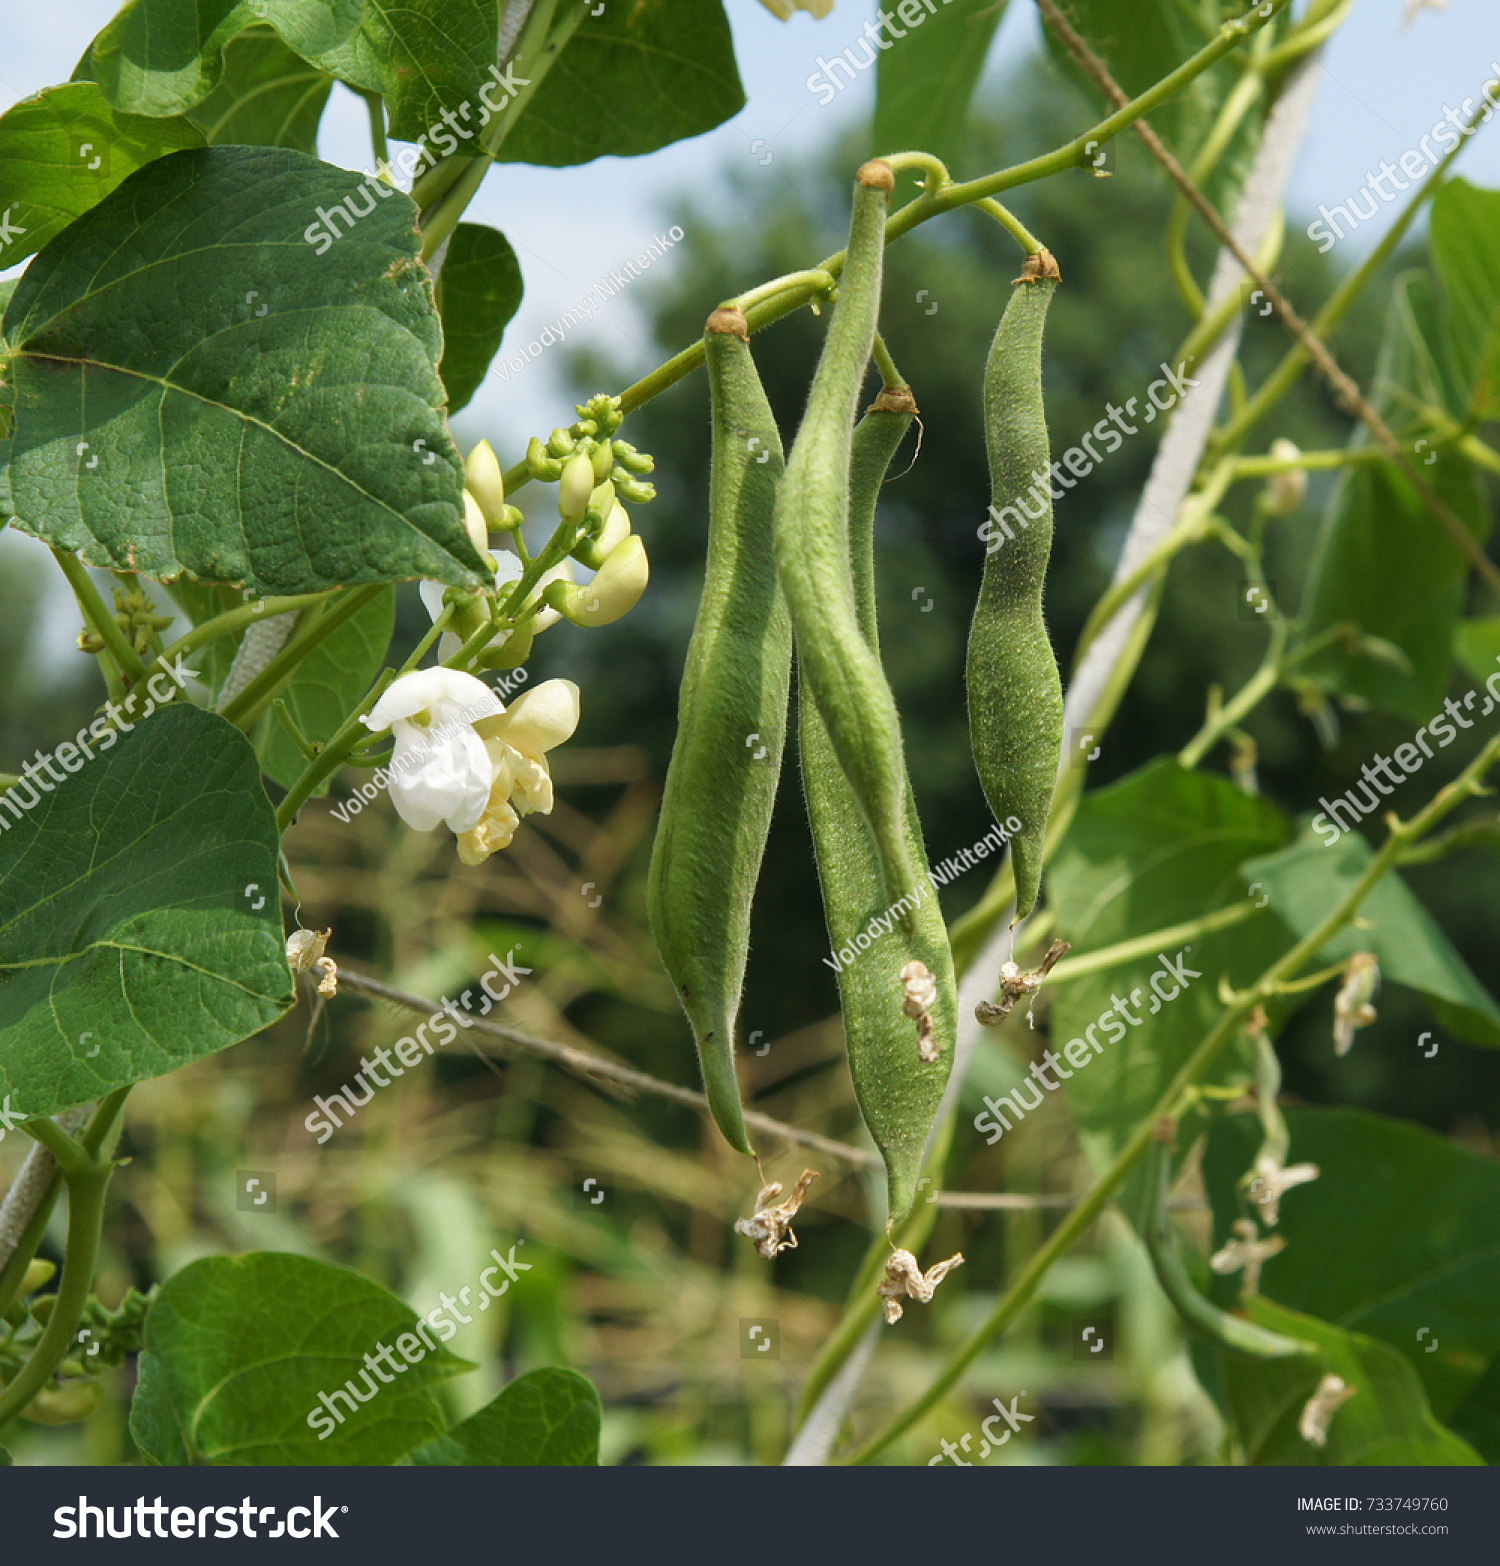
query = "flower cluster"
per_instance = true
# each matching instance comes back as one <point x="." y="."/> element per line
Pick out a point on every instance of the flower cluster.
<point x="483" y="774"/>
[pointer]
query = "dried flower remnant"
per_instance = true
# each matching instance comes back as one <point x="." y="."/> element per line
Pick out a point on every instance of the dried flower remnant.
<point x="1351" y="1006"/>
<point x="1272" y="1182"/>
<point x="771" y="1227"/>
<point x="905" y="1280"/>
<point x="1014" y="984"/>
<point x="304" y="954"/>
<point x="1247" y="1251"/>
<point x="1318" y="1413"/>
<point x="920" y="996"/>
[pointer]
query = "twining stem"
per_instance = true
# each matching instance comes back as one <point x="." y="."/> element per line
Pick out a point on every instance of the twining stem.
<point x="1019" y="1295"/>
<point x="1276" y="664"/>
<point x="97" y="613"/>
<point x="1150" y="945"/>
<point x="87" y="1183"/>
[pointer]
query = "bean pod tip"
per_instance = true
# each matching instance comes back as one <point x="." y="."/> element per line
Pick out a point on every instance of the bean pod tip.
<point x="894" y="399"/>
<point x="729" y="321"/>
<point x="1041" y="268"/>
<point x="877" y="174"/>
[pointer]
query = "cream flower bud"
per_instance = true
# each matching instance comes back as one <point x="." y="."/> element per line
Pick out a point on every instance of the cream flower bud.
<point x="576" y="486"/>
<point x="483" y="478"/>
<point x="614" y="592"/>
<point x="784" y="8"/>
<point x="475" y="525"/>
<point x="1285" y="491"/>
<point x="616" y="529"/>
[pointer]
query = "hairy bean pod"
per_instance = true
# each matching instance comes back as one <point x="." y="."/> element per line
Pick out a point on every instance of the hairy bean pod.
<point x="1014" y="690"/>
<point x="838" y="668"/>
<point x="898" y="1091"/>
<point x="731" y="727"/>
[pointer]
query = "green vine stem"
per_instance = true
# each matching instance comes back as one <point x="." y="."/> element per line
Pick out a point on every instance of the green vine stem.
<point x="1402" y="836"/>
<point x="930" y="204"/>
<point x="97" y="613"/>
<point x="87" y="1183"/>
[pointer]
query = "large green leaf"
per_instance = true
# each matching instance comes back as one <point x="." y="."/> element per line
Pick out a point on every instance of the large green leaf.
<point x="545" y="1419"/>
<point x="328" y="682"/>
<point x="478" y="291"/>
<point x="926" y="79"/>
<point x="268" y="96"/>
<point x="254" y="411"/>
<point x="1465" y="240"/>
<point x="424" y="57"/>
<point x="62" y="151"/>
<point x="1374" y="516"/>
<point x="238" y="1348"/>
<point x="129" y="914"/>
<point x="1160" y="847"/>
<point x="1387" y="1423"/>
<point x="630" y="80"/>
<point x="1398" y="1239"/>
<point x="163" y="57"/>
<point x="1307" y="880"/>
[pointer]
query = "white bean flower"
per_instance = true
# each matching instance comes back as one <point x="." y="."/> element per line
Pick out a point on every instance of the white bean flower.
<point x="517" y="742"/>
<point x="440" y="770"/>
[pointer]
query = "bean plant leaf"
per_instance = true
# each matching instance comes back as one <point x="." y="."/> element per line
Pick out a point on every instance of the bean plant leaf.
<point x="62" y="151"/>
<point x="163" y="57"/>
<point x="925" y="79"/>
<point x="1465" y="236"/>
<point x="1310" y="878"/>
<point x="1414" y="1262"/>
<point x="253" y="1359"/>
<point x="478" y="292"/>
<point x="206" y="382"/>
<point x="131" y="940"/>
<point x="633" y="79"/>
<point x="1478" y="646"/>
<point x="267" y="97"/>
<point x="1387" y="1423"/>
<point x="323" y="692"/>
<point x="423" y="57"/>
<point x="544" y="1419"/>
<point x="1374" y="516"/>
<point x="1158" y="848"/>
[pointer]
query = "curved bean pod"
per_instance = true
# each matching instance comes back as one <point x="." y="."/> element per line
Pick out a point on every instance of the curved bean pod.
<point x="731" y="726"/>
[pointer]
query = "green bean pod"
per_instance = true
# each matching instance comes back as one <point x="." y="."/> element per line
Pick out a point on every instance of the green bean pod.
<point x="1014" y="690"/>
<point x="731" y="727"/>
<point x="898" y="1092"/>
<point x="838" y="668"/>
